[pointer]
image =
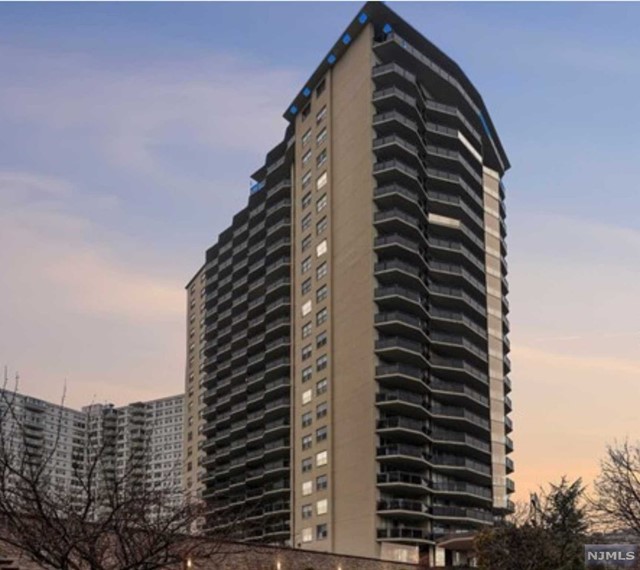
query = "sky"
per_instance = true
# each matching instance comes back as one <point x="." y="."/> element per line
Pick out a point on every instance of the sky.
<point x="128" y="133"/>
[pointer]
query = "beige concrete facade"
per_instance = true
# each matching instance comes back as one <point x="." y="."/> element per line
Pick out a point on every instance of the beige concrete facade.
<point x="495" y="314"/>
<point x="191" y="468"/>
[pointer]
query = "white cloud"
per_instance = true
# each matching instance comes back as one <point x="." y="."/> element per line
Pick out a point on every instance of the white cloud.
<point x="218" y="103"/>
<point x="74" y="306"/>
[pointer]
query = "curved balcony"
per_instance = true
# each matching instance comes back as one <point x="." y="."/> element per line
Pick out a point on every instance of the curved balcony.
<point x="403" y="509"/>
<point x="404" y="482"/>
<point x="460" y="442"/>
<point x="402" y="402"/>
<point x="462" y="468"/>
<point x="403" y="350"/>
<point x="394" y="146"/>
<point x="458" y="393"/>
<point x="457" y="273"/>
<point x="395" y="220"/>
<point x="405" y="534"/>
<point x="401" y="428"/>
<point x="392" y="122"/>
<point x="397" y="323"/>
<point x="403" y="298"/>
<point x="391" y="98"/>
<point x="473" y="516"/>
<point x="459" y="418"/>
<point x="459" y="345"/>
<point x="457" y="369"/>
<point x="398" y="272"/>
<point x="465" y="491"/>
<point x="400" y="247"/>
<point x="394" y="194"/>
<point x="401" y="376"/>
<point x="403" y="454"/>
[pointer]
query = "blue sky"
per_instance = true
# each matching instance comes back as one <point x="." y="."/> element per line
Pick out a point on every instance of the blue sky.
<point x="128" y="133"/>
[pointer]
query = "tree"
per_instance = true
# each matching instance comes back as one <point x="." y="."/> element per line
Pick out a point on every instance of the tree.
<point x="616" y="503"/>
<point x="548" y="534"/>
<point x="106" y="517"/>
<point x="562" y="512"/>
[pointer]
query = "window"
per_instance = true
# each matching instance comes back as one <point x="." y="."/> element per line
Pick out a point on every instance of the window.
<point x="321" y="386"/>
<point x="306" y="179"/>
<point x="306" y="199"/>
<point x="307" y="488"/>
<point x="306" y="111"/>
<point x="306" y="286"/>
<point x="306" y="308"/>
<point x="321" y="87"/>
<point x="321" y="248"/>
<point x="307" y="511"/>
<point x="322" y="316"/>
<point x="321" y="271"/>
<point x="306" y="138"/>
<point x="307" y="534"/>
<point x="307" y="442"/>
<point x="322" y="136"/>
<point x="321" y="226"/>
<point x="321" y="294"/>
<point x="322" y="507"/>
<point x="322" y="482"/>
<point x="321" y="158"/>
<point x="306" y="352"/>
<point x="321" y="410"/>
<point x="306" y="243"/>
<point x="306" y="396"/>
<point x="322" y="181"/>
<point x="321" y="339"/>
<point x="306" y="329"/>
<point x="322" y="362"/>
<point x="322" y="458"/>
<point x="306" y="222"/>
<point x="307" y="464"/>
<point x="306" y="265"/>
<point x="321" y="531"/>
<point x="306" y="157"/>
<point x="306" y="376"/>
<point x="321" y="435"/>
<point x="321" y="114"/>
<point x="321" y="204"/>
<point x="306" y="419"/>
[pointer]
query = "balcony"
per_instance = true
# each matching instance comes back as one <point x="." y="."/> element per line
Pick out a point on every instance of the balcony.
<point x="403" y="508"/>
<point x="401" y="375"/>
<point x="404" y="533"/>
<point x="405" y="481"/>
<point x="399" y="272"/>
<point x="399" y="323"/>
<point x="397" y="245"/>
<point x="462" y="467"/>
<point x="396" y="194"/>
<point x="457" y="367"/>
<point x="402" y="349"/>
<point x="473" y="492"/>
<point x="402" y="402"/>
<point x="459" y="343"/>
<point x="453" y="440"/>
<point x="412" y="455"/>
<point x="454" y="391"/>
<point x="401" y="297"/>
<point x="397" y="220"/>
<point x="471" y="515"/>
<point x="455" y="415"/>
<point x="409" y="429"/>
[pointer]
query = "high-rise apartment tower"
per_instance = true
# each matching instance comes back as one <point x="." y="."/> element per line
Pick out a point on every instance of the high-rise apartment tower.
<point x="354" y="315"/>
